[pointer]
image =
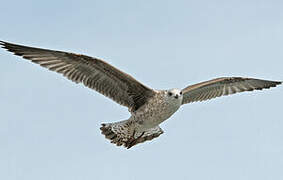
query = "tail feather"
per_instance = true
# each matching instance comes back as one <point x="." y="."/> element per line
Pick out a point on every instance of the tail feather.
<point x="123" y="133"/>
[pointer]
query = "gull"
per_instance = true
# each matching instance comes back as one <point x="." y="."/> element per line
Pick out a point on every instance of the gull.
<point x="148" y="107"/>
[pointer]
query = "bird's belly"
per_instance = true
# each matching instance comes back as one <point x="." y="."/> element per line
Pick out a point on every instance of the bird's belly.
<point x="154" y="116"/>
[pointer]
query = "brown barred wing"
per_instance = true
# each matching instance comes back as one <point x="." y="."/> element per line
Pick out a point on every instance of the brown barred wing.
<point x="222" y="87"/>
<point x="92" y="72"/>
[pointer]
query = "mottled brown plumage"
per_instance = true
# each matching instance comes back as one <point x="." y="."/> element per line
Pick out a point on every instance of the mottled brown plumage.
<point x="222" y="87"/>
<point x="148" y="107"/>
<point x="92" y="72"/>
<point x="117" y="136"/>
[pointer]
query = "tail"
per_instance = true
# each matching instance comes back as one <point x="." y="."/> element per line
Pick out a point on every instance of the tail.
<point x="123" y="133"/>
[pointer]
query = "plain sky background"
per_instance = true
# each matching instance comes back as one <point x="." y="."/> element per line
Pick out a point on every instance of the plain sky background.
<point x="49" y="126"/>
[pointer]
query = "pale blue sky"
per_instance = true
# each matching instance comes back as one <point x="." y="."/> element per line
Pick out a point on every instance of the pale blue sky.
<point x="49" y="126"/>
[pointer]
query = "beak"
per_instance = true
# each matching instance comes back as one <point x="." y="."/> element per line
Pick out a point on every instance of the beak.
<point x="176" y="96"/>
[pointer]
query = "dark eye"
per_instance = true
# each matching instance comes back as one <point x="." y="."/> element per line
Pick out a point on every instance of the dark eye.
<point x="170" y="94"/>
<point x="181" y="92"/>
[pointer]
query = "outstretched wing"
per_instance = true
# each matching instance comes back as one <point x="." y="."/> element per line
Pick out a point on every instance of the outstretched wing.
<point x="92" y="72"/>
<point x="223" y="86"/>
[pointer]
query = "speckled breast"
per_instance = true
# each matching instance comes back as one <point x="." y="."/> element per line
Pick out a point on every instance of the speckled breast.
<point x="156" y="111"/>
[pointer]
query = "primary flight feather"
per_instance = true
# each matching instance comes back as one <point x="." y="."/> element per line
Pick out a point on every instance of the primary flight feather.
<point x="148" y="107"/>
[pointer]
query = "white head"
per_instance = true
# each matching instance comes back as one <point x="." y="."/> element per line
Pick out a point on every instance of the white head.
<point x="175" y="94"/>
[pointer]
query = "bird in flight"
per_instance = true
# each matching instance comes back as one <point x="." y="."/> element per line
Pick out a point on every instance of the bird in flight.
<point x="148" y="107"/>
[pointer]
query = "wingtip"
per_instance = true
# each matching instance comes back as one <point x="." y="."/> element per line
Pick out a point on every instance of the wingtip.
<point x="3" y="44"/>
<point x="275" y="83"/>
